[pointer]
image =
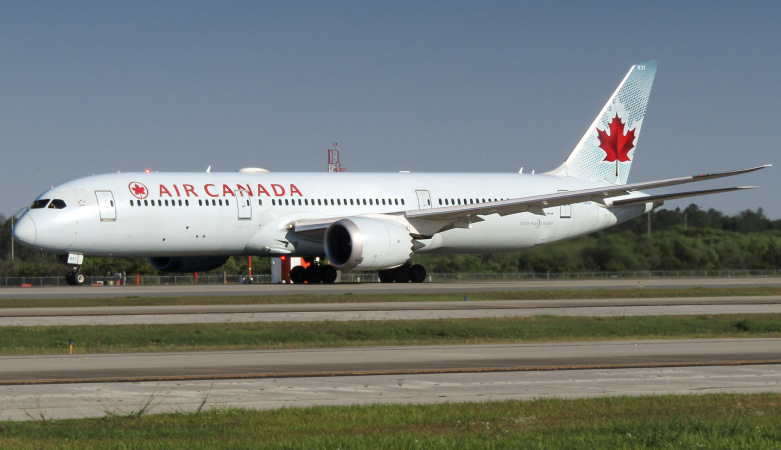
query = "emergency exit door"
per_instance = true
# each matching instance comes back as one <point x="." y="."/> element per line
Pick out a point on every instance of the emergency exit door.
<point x="244" y="203"/>
<point x="424" y="199"/>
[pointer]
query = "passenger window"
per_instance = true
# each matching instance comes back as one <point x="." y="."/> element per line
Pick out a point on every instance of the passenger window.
<point x="187" y="203"/>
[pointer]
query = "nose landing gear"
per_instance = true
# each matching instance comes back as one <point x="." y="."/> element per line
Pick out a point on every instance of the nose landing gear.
<point x="74" y="261"/>
<point x="75" y="277"/>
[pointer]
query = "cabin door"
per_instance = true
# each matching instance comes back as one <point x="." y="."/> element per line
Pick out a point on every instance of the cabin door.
<point x="106" y="205"/>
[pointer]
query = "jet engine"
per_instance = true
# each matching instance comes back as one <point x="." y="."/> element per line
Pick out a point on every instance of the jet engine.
<point x="187" y="263"/>
<point x="364" y="243"/>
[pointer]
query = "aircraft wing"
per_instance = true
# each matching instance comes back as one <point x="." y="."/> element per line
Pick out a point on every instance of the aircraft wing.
<point x="430" y="221"/>
<point x="537" y="203"/>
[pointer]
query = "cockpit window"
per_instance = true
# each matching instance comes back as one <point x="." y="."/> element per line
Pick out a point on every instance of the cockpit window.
<point x="57" y="204"/>
<point x="41" y="203"/>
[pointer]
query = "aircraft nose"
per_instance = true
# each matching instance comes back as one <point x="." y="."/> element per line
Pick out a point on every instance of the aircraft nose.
<point x="24" y="230"/>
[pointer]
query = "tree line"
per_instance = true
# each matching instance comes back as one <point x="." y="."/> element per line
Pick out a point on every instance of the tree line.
<point x="688" y="239"/>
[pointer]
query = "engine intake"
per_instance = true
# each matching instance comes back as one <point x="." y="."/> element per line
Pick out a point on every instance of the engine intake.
<point x="364" y="243"/>
<point x="187" y="263"/>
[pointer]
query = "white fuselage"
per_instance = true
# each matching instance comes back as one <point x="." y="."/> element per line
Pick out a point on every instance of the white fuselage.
<point x="182" y="214"/>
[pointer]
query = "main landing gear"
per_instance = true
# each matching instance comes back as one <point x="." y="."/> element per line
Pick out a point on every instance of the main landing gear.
<point x="314" y="273"/>
<point x="403" y="274"/>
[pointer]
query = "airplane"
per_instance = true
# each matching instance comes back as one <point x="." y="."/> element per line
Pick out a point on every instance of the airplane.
<point x="192" y="222"/>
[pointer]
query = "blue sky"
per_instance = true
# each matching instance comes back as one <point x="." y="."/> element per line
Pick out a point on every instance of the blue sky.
<point x="96" y="87"/>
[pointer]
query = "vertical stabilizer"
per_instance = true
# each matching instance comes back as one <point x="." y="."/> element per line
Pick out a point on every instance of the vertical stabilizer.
<point x="606" y="151"/>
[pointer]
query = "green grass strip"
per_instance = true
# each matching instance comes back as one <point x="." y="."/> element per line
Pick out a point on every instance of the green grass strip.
<point x="519" y="294"/>
<point x="284" y="335"/>
<point x="693" y="421"/>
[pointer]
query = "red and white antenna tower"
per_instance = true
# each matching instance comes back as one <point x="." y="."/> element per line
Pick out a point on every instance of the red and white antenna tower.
<point x="334" y="165"/>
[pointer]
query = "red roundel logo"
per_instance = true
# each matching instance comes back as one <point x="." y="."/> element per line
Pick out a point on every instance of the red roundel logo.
<point x="138" y="190"/>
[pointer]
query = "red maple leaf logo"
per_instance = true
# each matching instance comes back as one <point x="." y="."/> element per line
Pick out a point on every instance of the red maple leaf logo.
<point x="138" y="190"/>
<point x="617" y="144"/>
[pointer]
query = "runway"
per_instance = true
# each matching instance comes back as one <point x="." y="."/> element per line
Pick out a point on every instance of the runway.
<point x="64" y="386"/>
<point x="456" y="287"/>
<point x="127" y="315"/>
<point x="94" y="385"/>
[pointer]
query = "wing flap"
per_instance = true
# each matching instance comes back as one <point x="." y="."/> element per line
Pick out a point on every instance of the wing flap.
<point x="663" y="197"/>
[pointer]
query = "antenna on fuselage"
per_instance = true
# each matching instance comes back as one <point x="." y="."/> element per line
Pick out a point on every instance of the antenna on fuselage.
<point x="209" y="169"/>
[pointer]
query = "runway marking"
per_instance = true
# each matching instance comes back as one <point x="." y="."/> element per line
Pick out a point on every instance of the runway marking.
<point x="91" y="311"/>
<point x="384" y="372"/>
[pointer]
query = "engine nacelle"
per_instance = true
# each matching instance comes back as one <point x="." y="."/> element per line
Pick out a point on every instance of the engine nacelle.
<point x="364" y="243"/>
<point x="183" y="264"/>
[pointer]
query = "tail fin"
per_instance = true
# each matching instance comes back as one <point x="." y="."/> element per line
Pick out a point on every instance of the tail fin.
<point x="606" y="151"/>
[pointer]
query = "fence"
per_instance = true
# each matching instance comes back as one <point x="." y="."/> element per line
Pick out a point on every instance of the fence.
<point x="370" y="277"/>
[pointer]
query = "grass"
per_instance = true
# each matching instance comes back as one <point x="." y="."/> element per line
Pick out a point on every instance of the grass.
<point x="548" y="294"/>
<point x="711" y="421"/>
<point x="285" y="335"/>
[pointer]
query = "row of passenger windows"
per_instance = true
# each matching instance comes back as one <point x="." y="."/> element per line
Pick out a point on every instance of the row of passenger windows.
<point x="60" y="204"/>
<point x="466" y="201"/>
<point x="338" y="201"/>
<point x="186" y="202"/>
<point x="274" y="202"/>
<point x="159" y="203"/>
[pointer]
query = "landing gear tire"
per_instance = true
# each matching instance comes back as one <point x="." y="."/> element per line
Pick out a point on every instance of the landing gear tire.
<point x="417" y="273"/>
<point x="386" y="276"/>
<point x="298" y="275"/>
<point x="328" y="274"/>
<point x="401" y="274"/>
<point x="312" y="274"/>
<point x="75" y="278"/>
